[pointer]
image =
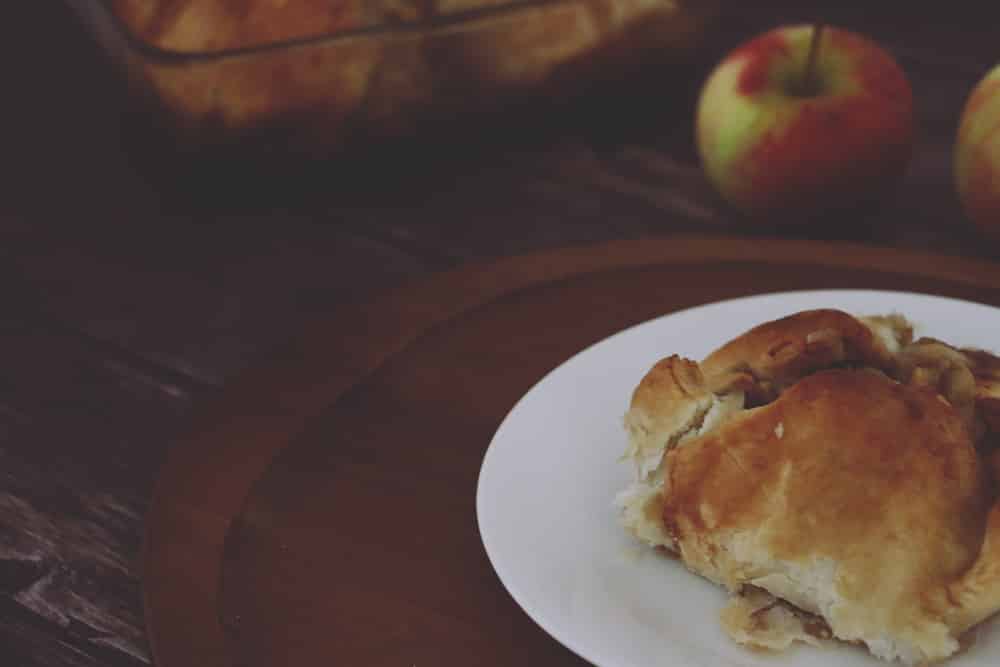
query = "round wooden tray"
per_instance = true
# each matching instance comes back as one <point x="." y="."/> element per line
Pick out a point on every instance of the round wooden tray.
<point x="322" y="510"/>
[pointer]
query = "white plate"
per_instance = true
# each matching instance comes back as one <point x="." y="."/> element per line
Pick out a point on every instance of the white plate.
<point x="549" y="477"/>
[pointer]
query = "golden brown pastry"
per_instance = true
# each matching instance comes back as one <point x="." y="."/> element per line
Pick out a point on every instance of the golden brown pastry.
<point x="679" y="399"/>
<point x="673" y="403"/>
<point x="847" y="500"/>
<point x="779" y="352"/>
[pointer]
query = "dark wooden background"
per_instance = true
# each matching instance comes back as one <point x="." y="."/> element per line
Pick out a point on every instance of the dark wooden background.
<point x="132" y="295"/>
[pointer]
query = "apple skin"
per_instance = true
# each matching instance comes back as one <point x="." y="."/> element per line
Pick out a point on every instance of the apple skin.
<point x="774" y="151"/>
<point x="977" y="155"/>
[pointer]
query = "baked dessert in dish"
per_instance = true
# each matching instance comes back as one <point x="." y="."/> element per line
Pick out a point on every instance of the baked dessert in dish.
<point x="315" y="75"/>
<point x="836" y="476"/>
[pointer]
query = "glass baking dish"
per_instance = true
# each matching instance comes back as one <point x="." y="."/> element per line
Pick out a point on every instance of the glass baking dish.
<point x="316" y="74"/>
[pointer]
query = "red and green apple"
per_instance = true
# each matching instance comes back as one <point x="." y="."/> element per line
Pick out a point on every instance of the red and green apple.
<point x="803" y="120"/>
<point x="977" y="155"/>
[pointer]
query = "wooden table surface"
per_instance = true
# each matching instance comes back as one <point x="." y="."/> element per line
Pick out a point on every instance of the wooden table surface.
<point x="131" y="301"/>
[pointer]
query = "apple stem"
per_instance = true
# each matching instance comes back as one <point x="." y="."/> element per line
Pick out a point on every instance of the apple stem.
<point x="809" y="83"/>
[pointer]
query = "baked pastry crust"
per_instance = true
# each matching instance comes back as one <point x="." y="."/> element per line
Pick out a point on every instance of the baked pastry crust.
<point x="851" y="476"/>
<point x="779" y="352"/>
<point x="851" y="496"/>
